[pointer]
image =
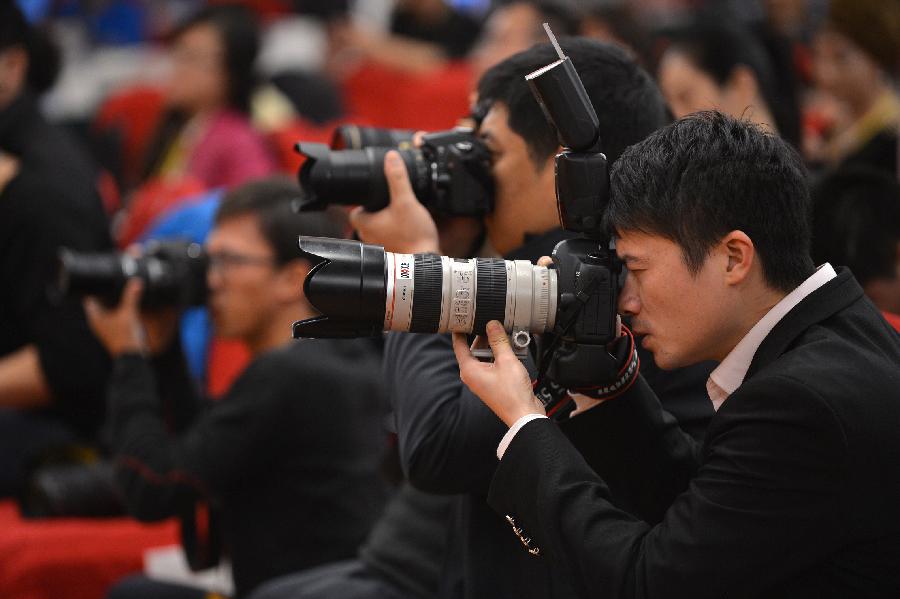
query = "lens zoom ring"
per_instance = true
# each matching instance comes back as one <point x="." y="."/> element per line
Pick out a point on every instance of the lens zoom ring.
<point x="427" y="279"/>
<point x="490" y="294"/>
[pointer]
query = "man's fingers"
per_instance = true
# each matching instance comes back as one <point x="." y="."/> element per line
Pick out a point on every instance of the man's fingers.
<point x="91" y="306"/>
<point x="545" y="261"/>
<point x="131" y="296"/>
<point x="358" y="218"/>
<point x="397" y="178"/>
<point x="461" y="349"/>
<point x="499" y="342"/>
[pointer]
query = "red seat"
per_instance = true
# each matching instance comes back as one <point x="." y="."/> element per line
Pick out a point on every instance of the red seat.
<point x="226" y="361"/>
<point x="134" y="113"/>
<point x="72" y="558"/>
<point x="387" y="97"/>
<point x="150" y="201"/>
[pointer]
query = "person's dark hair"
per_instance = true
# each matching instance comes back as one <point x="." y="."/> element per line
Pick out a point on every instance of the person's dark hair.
<point x="717" y="49"/>
<point x="237" y="26"/>
<point x="856" y="222"/>
<point x="271" y="201"/>
<point x="708" y="174"/>
<point x="626" y="99"/>
<point x="43" y="55"/>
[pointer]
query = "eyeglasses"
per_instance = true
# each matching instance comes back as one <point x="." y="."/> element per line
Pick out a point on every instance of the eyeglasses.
<point x="225" y="261"/>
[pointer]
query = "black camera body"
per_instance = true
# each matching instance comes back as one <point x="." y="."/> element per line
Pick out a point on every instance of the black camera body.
<point x="361" y="289"/>
<point x="450" y="172"/>
<point x="589" y="274"/>
<point x="173" y="274"/>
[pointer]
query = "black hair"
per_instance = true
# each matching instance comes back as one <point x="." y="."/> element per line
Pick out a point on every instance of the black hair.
<point x="708" y="174"/>
<point x="626" y="99"/>
<point x="43" y="55"/>
<point x="272" y="200"/>
<point x="237" y="26"/>
<point x="718" y="48"/>
<point x="856" y="222"/>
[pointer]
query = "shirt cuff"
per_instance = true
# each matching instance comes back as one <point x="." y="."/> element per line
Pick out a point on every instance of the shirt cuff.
<point x="508" y="437"/>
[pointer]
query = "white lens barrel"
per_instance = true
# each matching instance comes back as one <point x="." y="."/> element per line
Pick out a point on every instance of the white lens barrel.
<point x="398" y="307"/>
<point x="529" y="302"/>
<point x="530" y="297"/>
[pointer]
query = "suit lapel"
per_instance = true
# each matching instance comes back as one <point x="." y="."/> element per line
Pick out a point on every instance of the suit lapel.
<point x="832" y="297"/>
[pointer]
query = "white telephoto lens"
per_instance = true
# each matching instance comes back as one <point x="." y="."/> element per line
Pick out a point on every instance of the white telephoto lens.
<point x="439" y="294"/>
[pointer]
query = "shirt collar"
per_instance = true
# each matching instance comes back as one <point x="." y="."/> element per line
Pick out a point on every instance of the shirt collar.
<point x="730" y="373"/>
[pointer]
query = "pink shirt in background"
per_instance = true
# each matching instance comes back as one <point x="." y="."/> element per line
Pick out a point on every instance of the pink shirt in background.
<point x="230" y="152"/>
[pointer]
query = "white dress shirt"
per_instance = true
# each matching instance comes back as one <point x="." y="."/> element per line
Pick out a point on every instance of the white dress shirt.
<point x="730" y="373"/>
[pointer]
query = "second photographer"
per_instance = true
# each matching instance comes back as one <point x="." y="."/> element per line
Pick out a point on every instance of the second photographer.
<point x="289" y="456"/>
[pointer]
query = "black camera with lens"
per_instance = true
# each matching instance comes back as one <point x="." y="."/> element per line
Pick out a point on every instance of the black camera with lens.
<point x="450" y="172"/>
<point x="173" y="274"/>
<point x="362" y="290"/>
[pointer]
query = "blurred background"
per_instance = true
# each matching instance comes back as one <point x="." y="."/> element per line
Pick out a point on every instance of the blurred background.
<point x="174" y="101"/>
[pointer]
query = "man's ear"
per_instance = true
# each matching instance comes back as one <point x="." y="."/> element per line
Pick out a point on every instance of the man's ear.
<point x="740" y="256"/>
<point x="289" y="284"/>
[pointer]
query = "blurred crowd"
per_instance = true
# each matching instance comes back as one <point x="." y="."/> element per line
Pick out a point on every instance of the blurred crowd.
<point x="126" y="121"/>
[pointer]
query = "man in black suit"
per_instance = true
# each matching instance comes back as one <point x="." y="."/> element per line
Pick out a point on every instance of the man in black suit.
<point x="446" y="437"/>
<point x="796" y="489"/>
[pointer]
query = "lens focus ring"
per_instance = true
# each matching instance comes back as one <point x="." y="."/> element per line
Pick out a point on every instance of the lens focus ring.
<point x="427" y="277"/>
<point x="490" y="293"/>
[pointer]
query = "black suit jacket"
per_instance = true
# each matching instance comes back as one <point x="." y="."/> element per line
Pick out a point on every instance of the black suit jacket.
<point x="448" y="441"/>
<point x="795" y="491"/>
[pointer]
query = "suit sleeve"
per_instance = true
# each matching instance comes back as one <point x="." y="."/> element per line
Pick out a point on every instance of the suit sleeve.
<point x="159" y="472"/>
<point x="765" y="504"/>
<point x="638" y="449"/>
<point x="447" y="437"/>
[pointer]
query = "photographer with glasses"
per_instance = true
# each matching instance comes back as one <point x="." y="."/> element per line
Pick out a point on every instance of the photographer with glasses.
<point x="289" y="457"/>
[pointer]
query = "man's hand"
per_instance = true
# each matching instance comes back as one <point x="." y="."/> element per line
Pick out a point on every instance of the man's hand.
<point x="404" y="226"/>
<point x="503" y="385"/>
<point x="9" y="168"/>
<point x="124" y="329"/>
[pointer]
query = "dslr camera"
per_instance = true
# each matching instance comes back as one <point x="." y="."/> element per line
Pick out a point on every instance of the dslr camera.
<point x="173" y="274"/>
<point x="450" y="172"/>
<point x="361" y="289"/>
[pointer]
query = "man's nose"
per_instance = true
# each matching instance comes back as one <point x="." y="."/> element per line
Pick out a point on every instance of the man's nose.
<point x="629" y="302"/>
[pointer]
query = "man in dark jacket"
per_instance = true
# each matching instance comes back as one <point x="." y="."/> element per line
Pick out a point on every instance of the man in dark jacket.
<point x="52" y="371"/>
<point x="795" y="491"/>
<point x="289" y="456"/>
<point x="447" y="438"/>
